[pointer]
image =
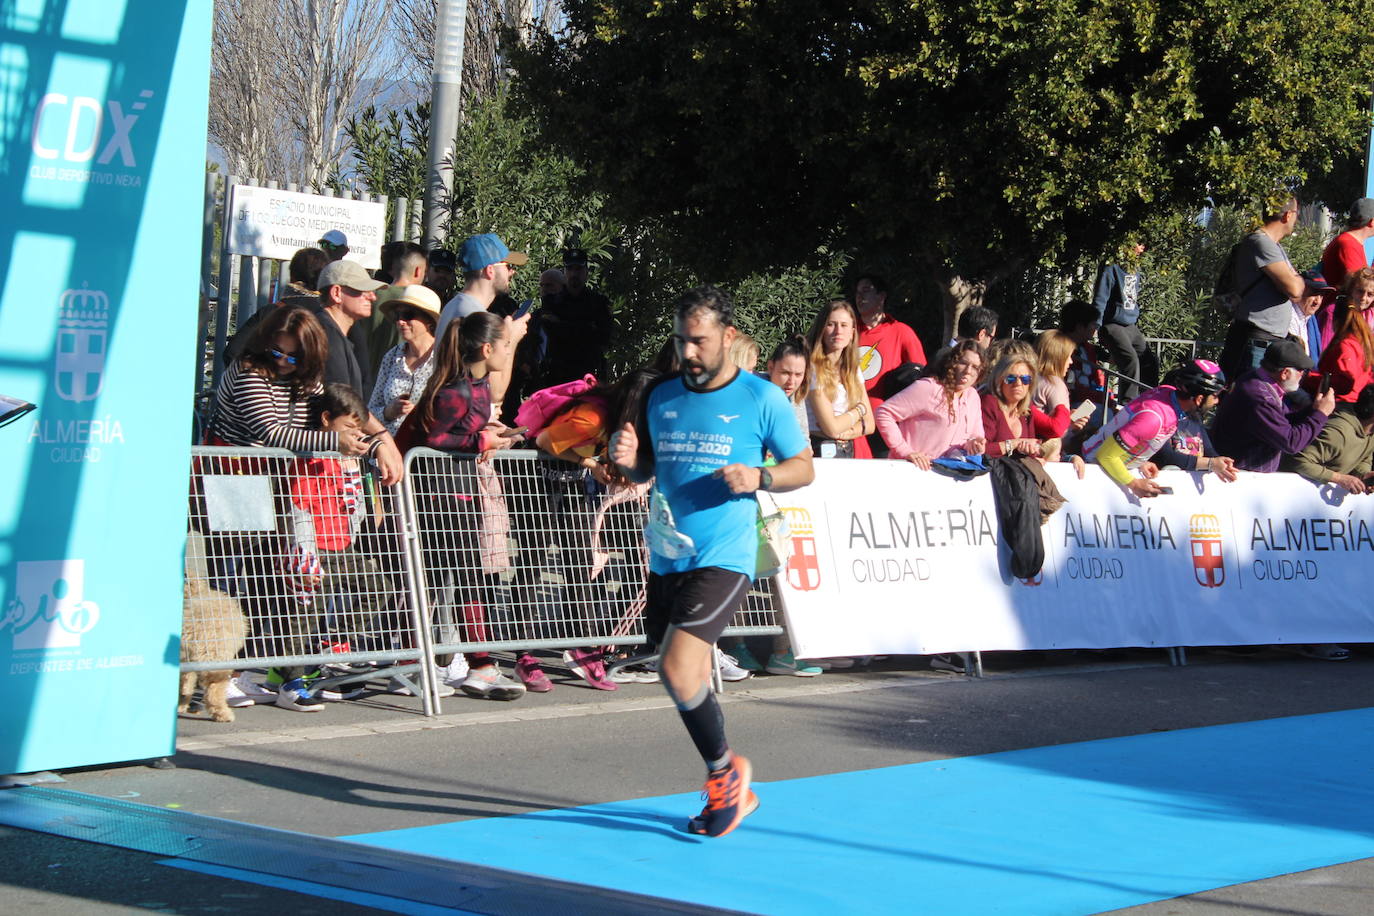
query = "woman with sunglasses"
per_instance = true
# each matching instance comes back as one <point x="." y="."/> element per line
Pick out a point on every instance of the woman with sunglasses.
<point x="405" y="368"/>
<point x="264" y="399"/>
<point x="1009" y="418"/>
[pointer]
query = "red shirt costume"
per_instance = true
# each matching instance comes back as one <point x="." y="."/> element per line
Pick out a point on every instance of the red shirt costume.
<point x="882" y="348"/>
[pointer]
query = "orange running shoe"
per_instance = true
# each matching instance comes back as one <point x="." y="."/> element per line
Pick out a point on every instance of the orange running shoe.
<point x="729" y="799"/>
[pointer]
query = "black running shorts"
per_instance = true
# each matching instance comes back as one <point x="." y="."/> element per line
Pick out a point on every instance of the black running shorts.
<point x="699" y="601"/>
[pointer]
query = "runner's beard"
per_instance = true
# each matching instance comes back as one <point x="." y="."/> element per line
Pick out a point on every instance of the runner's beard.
<point x="698" y="375"/>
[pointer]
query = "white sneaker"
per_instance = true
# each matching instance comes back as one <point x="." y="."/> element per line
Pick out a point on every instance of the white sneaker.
<point x="244" y="691"/>
<point x="454" y="672"/>
<point x="634" y="674"/>
<point x="488" y="683"/>
<point x="295" y="695"/>
<point x="730" y="669"/>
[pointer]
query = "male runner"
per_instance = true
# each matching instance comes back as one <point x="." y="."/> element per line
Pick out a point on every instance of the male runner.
<point x="704" y="433"/>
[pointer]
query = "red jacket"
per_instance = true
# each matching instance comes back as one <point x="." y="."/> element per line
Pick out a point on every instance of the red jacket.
<point x="1344" y="359"/>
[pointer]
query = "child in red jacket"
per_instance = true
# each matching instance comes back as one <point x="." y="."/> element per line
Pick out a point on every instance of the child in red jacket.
<point x="330" y="505"/>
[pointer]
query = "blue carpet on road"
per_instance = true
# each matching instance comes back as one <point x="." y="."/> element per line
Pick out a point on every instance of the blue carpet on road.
<point x="1077" y="828"/>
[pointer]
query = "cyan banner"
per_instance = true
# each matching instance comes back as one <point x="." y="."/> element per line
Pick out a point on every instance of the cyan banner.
<point x="102" y="158"/>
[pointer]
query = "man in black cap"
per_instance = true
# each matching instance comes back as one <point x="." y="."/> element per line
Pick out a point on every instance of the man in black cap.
<point x="442" y="275"/>
<point x="574" y="327"/>
<point x="1254" y="426"/>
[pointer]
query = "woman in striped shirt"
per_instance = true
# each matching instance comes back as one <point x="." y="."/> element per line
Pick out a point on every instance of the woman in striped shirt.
<point x="264" y="399"/>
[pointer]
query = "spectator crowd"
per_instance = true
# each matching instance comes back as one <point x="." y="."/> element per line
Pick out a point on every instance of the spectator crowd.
<point x="433" y="351"/>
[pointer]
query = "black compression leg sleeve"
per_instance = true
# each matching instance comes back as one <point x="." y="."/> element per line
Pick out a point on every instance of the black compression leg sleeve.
<point x="701" y="714"/>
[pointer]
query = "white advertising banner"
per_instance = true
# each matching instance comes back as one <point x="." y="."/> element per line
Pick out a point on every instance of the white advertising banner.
<point x="891" y="559"/>
<point x="276" y="224"/>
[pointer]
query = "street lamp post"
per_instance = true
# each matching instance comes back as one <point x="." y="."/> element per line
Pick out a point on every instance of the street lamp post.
<point x="443" y="115"/>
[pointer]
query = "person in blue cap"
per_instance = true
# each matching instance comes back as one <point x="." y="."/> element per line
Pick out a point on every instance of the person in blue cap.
<point x="488" y="267"/>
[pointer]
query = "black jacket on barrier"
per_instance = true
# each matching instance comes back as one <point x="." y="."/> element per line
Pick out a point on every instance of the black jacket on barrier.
<point x="1016" y="493"/>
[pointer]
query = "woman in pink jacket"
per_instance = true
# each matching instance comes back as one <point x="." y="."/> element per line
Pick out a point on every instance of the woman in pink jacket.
<point x="939" y="416"/>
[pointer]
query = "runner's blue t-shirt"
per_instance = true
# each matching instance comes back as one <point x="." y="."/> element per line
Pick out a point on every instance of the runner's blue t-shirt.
<point x="694" y="434"/>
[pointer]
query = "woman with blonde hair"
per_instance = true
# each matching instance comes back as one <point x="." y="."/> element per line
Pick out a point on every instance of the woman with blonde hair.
<point x="837" y="405"/>
<point x="1009" y="419"/>
<point x="1054" y="355"/>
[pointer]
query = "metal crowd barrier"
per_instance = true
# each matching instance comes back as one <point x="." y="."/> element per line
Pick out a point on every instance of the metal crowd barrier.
<point x="511" y="551"/>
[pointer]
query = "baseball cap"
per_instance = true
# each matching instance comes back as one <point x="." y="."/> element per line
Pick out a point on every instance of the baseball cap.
<point x="1362" y="211"/>
<point x="350" y="274"/>
<point x="486" y="249"/>
<point x="442" y="257"/>
<point x="1316" y="283"/>
<point x="574" y="257"/>
<point x="335" y="239"/>
<point x="1286" y="354"/>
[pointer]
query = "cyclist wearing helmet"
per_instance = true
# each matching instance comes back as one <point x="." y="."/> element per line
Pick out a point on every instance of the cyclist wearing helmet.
<point x="1190" y="448"/>
<point x="1140" y="429"/>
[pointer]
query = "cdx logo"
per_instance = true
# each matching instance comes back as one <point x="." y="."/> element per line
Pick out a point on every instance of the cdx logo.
<point x="84" y="121"/>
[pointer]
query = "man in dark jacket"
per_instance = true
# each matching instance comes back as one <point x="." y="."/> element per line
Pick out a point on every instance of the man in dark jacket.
<point x="574" y="327"/>
<point x="1254" y="425"/>
<point x="1117" y="300"/>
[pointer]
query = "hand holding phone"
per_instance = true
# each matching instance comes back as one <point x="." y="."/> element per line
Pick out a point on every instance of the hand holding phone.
<point x="1326" y="383"/>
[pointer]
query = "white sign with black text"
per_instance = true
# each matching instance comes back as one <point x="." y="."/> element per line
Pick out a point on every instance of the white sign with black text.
<point x="275" y="224"/>
<point x="891" y="559"/>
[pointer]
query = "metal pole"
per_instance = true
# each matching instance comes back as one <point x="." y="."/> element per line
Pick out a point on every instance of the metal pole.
<point x="207" y="249"/>
<point x="446" y="98"/>
<point x="226" y="281"/>
<point x="248" y="290"/>
<point x="400" y="207"/>
<point x="265" y="266"/>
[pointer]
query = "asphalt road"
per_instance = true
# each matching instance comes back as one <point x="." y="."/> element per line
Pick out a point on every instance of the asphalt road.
<point x="376" y="764"/>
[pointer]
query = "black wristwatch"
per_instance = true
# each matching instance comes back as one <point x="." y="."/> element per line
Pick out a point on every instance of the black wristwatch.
<point x="765" y="479"/>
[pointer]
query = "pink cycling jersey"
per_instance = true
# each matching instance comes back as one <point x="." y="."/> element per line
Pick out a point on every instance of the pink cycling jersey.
<point x="1141" y="427"/>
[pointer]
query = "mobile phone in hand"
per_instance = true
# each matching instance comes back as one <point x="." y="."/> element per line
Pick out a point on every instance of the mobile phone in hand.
<point x="1326" y="383"/>
<point x="1166" y="491"/>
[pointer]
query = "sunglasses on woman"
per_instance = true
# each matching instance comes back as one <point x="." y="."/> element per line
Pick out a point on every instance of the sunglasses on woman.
<point x="291" y="360"/>
<point x="1013" y="379"/>
<point x="407" y="314"/>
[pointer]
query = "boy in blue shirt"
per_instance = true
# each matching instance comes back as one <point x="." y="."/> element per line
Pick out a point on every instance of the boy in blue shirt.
<point x="702" y="436"/>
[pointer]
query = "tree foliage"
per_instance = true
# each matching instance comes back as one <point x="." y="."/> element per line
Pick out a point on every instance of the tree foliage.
<point x="389" y="153"/>
<point x="968" y="139"/>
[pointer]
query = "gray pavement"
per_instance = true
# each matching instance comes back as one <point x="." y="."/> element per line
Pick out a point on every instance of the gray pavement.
<point x="376" y="764"/>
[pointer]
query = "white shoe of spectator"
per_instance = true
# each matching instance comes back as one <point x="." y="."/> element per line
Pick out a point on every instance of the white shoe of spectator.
<point x="295" y="695"/>
<point x="455" y="671"/>
<point x="488" y="683"/>
<point x="730" y="669"/>
<point x="243" y="691"/>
